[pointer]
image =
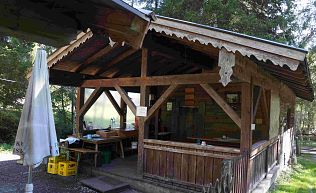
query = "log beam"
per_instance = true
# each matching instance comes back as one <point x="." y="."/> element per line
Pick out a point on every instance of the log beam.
<point x="93" y="58"/>
<point x="126" y="98"/>
<point x="184" y="79"/>
<point x="116" y="60"/>
<point x="161" y="100"/>
<point x="113" y="101"/>
<point x="79" y="104"/>
<point x="246" y="134"/>
<point x="90" y="101"/>
<point x="123" y="115"/>
<point x="144" y="100"/>
<point x="223" y="104"/>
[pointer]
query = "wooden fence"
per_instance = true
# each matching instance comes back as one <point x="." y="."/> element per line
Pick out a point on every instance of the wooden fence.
<point x="262" y="160"/>
<point x="191" y="166"/>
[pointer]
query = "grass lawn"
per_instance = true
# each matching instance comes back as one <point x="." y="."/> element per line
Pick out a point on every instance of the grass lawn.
<point x="300" y="179"/>
<point x="308" y="143"/>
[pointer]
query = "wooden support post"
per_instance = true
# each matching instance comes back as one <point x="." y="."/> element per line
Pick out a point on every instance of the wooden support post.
<point x="90" y="101"/>
<point x="126" y="98"/>
<point x="79" y="104"/>
<point x="223" y="104"/>
<point x="113" y="102"/>
<point x="246" y="134"/>
<point x="141" y="120"/>
<point x="161" y="100"/>
<point x="123" y="115"/>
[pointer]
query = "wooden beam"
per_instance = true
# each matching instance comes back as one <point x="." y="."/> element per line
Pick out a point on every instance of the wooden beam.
<point x="91" y="100"/>
<point x="256" y="105"/>
<point x="142" y="126"/>
<point x="126" y="98"/>
<point x="246" y="134"/>
<point x="161" y="100"/>
<point x="123" y="116"/>
<point x="223" y="104"/>
<point x="93" y="58"/>
<point x="202" y="78"/>
<point x="116" y="60"/>
<point x="113" y="101"/>
<point x="144" y="63"/>
<point x="79" y="104"/>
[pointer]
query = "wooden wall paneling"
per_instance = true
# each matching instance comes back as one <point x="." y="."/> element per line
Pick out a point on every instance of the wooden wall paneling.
<point x="184" y="167"/>
<point x="170" y="165"/>
<point x="209" y="164"/>
<point x="163" y="164"/>
<point x="217" y="169"/>
<point x="177" y="160"/>
<point x="200" y="170"/>
<point x="192" y="168"/>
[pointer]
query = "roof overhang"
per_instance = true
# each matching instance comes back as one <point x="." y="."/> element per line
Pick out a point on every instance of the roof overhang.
<point x="286" y="63"/>
<point x="58" y="22"/>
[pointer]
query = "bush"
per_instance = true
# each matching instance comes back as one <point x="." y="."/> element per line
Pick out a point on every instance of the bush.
<point x="9" y="122"/>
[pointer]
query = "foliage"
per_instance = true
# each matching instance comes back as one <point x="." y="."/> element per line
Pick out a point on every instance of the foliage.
<point x="273" y="19"/>
<point x="305" y="109"/>
<point x="301" y="179"/>
<point x="15" y="60"/>
<point x="63" y="103"/>
<point x="9" y="121"/>
<point x="5" y="148"/>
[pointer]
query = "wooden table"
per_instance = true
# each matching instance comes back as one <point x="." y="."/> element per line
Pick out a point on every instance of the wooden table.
<point x="99" y="141"/>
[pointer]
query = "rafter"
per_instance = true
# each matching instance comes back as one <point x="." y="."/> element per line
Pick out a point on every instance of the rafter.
<point x="93" y="58"/>
<point x="116" y="60"/>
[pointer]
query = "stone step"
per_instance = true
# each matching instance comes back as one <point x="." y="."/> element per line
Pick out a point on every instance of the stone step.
<point x="106" y="184"/>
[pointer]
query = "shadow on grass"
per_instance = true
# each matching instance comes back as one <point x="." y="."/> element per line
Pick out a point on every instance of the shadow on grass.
<point x="301" y="179"/>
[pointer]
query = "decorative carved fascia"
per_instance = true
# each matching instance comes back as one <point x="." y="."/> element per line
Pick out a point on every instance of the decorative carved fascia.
<point x="226" y="62"/>
<point x="228" y="45"/>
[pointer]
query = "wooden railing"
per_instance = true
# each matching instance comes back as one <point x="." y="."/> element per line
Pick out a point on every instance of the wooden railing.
<point x="262" y="159"/>
<point x="190" y="165"/>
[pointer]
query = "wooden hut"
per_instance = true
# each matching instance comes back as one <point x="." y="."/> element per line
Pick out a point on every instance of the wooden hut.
<point x="234" y="92"/>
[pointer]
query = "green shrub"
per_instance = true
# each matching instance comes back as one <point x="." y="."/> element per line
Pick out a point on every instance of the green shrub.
<point x="9" y="122"/>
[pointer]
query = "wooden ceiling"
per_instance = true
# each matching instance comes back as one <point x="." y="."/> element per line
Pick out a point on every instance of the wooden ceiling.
<point x="57" y="22"/>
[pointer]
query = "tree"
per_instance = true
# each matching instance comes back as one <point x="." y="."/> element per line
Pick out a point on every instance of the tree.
<point x="15" y="61"/>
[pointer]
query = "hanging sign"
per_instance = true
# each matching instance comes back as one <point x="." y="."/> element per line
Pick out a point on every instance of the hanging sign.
<point x="141" y="111"/>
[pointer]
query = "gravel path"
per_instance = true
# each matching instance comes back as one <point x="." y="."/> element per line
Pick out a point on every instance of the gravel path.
<point x="13" y="178"/>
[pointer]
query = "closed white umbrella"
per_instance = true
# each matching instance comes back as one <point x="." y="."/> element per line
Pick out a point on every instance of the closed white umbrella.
<point x="36" y="135"/>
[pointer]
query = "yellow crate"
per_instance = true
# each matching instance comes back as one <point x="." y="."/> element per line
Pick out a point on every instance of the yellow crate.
<point x="67" y="165"/>
<point x="69" y="172"/>
<point x="56" y="159"/>
<point x="52" y="168"/>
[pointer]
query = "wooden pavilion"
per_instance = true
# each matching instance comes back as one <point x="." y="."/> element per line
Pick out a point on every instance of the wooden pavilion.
<point x="233" y="91"/>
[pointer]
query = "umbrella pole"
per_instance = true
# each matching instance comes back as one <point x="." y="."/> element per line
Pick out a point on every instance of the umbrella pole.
<point x="29" y="185"/>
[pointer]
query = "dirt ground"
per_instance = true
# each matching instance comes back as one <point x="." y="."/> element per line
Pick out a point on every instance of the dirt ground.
<point x="13" y="178"/>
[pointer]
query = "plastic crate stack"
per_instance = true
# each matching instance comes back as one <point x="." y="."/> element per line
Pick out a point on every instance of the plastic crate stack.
<point x="67" y="168"/>
<point x="53" y="162"/>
